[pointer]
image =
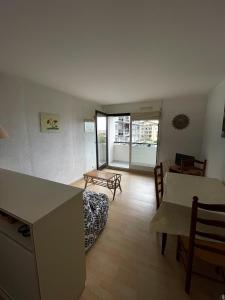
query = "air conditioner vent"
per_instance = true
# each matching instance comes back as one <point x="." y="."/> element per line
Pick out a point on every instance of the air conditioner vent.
<point x="146" y="108"/>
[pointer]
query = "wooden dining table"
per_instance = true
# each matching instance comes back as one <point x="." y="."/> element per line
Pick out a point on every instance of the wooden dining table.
<point x="174" y="214"/>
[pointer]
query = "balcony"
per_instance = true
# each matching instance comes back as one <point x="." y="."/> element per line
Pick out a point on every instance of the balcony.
<point x="143" y="155"/>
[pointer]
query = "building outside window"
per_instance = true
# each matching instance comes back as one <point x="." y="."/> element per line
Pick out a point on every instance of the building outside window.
<point x="143" y="132"/>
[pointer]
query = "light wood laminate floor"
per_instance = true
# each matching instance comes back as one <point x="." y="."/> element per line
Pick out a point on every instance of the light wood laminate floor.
<point x="125" y="262"/>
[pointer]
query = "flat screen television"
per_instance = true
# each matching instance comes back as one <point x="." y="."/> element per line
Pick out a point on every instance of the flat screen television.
<point x="180" y="156"/>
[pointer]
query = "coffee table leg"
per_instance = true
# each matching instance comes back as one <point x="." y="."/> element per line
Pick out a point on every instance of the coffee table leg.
<point x="86" y="182"/>
<point x="114" y="193"/>
<point x="117" y="181"/>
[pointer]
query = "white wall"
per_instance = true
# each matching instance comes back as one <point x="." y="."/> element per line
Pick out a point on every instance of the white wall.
<point x="62" y="156"/>
<point x="187" y="141"/>
<point x="66" y="155"/>
<point x="214" y="145"/>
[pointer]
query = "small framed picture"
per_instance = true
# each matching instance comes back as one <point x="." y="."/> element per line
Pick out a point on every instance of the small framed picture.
<point x="49" y="122"/>
<point x="89" y="126"/>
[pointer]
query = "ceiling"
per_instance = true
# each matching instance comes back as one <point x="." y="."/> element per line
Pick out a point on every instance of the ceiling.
<point x="115" y="51"/>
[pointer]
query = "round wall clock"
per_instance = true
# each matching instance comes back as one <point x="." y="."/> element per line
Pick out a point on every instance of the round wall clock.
<point x="180" y="121"/>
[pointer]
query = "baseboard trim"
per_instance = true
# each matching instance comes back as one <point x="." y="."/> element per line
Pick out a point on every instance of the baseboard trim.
<point x="79" y="179"/>
<point x="117" y="168"/>
<point x="73" y="183"/>
<point x="134" y="171"/>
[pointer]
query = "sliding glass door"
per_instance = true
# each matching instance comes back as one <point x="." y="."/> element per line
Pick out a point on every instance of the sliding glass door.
<point x="124" y="141"/>
<point x="144" y="143"/>
<point x="119" y="141"/>
<point x="101" y="140"/>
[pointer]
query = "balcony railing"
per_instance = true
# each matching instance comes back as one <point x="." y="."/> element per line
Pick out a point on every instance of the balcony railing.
<point x="136" y="143"/>
<point x="142" y="154"/>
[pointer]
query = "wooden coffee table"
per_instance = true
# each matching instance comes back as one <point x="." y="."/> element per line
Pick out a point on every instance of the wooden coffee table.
<point x="105" y="179"/>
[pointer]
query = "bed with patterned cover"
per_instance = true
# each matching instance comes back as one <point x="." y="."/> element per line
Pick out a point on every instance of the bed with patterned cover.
<point x="96" y="206"/>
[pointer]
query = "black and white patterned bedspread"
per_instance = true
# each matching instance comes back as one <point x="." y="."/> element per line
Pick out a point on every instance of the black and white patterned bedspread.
<point x="96" y="206"/>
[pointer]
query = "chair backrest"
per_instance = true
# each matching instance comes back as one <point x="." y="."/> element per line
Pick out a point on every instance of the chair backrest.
<point x="186" y="164"/>
<point x="193" y="164"/>
<point x="214" y="239"/>
<point x="195" y="220"/>
<point x="201" y="165"/>
<point x="158" y="173"/>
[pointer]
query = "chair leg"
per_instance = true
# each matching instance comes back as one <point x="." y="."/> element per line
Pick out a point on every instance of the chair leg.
<point x="188" y="283"/>
<point x="189" y="266"/>
<point x="164" y="240"/>
<point x="189" y="271"/>
<point x="178" y="249"/>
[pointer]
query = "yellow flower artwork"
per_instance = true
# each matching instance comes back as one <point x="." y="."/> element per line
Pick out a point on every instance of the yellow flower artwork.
<point x="50" y="122"/>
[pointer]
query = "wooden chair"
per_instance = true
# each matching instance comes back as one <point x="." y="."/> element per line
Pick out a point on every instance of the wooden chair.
<point x="159" y="189"/>
<point x="190" y="167"/>
<point x="193" y="167"/>
<point x="212" y="251"/>
<point x="201" y="165"/>
<point x="186" y="165"/>
<point x="158" y="173"/>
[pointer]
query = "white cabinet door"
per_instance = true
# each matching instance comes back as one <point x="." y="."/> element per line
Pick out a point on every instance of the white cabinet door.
<point x="17" y="271"/>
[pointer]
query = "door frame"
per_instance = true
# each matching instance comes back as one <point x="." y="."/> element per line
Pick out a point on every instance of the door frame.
<point x="98" y="112"/>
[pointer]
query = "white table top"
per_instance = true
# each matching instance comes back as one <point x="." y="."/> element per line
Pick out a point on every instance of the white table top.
<point x="30" y="198"/>
<point x="174" y="214"/>
<point x="180" y="189"/>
